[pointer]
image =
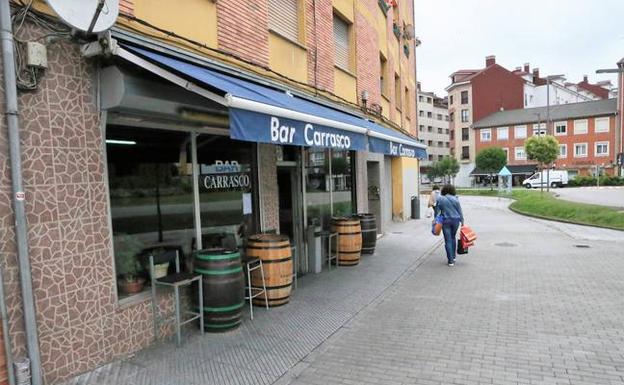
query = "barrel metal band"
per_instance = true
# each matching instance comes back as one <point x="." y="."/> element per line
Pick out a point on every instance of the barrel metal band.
<point x="268" y="247"/>
<point x="223" y="308"/>
<point x="278" y="287"/>
<point x="218" y="272"/>
<point x="269" y="261"/>
<point x="218" y="257"/>
<point x="358" y="232"/>
<point x="221" y="326"/>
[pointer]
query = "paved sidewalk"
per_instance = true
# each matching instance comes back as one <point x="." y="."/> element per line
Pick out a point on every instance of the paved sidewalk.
<point x="263" y="350"/>
<point x="524" y="307"/>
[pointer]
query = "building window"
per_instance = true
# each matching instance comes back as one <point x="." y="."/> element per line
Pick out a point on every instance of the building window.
<point x="440" y="144"/>
<point x="602" y="149"/>
<point x="429" y="100"/>
<point x="420" y="98"/>
<point x="452" y="116"/>
<point x="439" y="116"/>
<point x="451" y="99"/>
<point x="446" y="118"/>
<point x="440" y="157"/>
<point x="383" y="71"/>
<point x="580" y="127"/>
<point x="439" y="130"/>
<point x="446" y="131"/>
<point x="520" y="154"/>
<point x="561" y="128"/>
<point x="465" y="133"/>
<point x="407" y="103"/>
<point x="341" y="42"/>
<point x="429" y="129"/>
<point x="430" y="157"/>
<point x="506" y="153"/>
<point x="602" y="125"/>
<point x="520" y="132"/>
<point x="539" y="129"/>
<point x="452" y="135"/>
<point x="580" y="150"/>
<point x="421" y="128"/>
<point x="447" y="145"/>
<point x="465" y="152"/>
<point x="284" y="18"/>
<point x="430" y="143"/>
<point x="464" y="97"/>
<point x="421" y="113"/>
<point x="397" y="91"/>
<point x="464" y="116"/>
<point x="502" y="133"/>
<point x="486" y="135"/>
<point x="563" y="151"/>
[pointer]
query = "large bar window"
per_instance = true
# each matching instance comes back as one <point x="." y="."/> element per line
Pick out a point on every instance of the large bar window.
<point x="225" y="190"/>
<point x="329" y="184"/>
<point x="151" y="196"/>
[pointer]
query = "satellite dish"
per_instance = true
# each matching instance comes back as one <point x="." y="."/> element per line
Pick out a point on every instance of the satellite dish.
<point x="409" y="31"/>
<point x="90" y="16"/>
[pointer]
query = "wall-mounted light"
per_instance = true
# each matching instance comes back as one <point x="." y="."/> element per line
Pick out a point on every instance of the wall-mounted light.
<point x="122" y="142"/>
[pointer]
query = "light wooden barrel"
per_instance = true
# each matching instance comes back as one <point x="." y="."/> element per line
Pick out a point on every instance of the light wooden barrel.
<point x="349" y="240"/>
<point x="275" y="253"/>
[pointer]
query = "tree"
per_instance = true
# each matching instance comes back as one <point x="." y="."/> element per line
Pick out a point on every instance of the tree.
<point x="446" y="168"/>
<point x="449" y="167"/>
<point x="542" y="148"/>
<point x="491" y="160"/>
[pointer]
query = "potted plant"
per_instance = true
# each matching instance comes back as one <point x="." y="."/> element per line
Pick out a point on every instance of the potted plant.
<point x="160" y="269"/>
<point x="127" y="248"/>
<point x="383" y="4"/>
<point x="397" y="30"/>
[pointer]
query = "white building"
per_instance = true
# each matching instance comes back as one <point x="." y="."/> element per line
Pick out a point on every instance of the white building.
<point x="433" y="127"/>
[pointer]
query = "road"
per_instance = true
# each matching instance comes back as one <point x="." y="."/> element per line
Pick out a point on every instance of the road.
<point x="605" y="196"/>
<point x="532" y="303"/>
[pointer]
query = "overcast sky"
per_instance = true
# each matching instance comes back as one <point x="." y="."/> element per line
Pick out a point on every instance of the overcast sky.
<point x="571" y="37"/>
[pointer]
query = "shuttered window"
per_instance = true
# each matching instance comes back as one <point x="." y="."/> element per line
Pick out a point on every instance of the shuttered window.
<point x="341" y="42"/>
<point x="283" y="18"/>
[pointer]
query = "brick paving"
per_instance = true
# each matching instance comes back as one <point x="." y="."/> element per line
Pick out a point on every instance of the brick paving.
<point x="524" y="307"/>
<point x="266" y="349"/>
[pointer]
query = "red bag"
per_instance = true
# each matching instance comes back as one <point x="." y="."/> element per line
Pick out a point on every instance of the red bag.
<point x="467" y="236"/>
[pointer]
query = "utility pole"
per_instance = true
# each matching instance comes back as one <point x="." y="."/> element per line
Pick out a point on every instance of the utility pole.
<point x="619" y="138"/>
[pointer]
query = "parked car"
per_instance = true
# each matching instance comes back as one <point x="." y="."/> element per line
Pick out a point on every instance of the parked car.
<point x="556" y="178"/>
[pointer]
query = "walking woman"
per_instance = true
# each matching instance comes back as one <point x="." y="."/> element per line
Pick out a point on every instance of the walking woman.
<point x="448" y="206"/>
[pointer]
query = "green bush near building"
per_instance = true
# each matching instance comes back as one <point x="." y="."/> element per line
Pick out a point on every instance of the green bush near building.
<point x="546" y="206"/>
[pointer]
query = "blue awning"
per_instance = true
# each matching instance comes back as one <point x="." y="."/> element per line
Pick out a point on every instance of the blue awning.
<point x="263" y="114"/>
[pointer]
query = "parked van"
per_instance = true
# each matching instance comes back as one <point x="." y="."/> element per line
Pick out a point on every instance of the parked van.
<point x="557" y="178"/>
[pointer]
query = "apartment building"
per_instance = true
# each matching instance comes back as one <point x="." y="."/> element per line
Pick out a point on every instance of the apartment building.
<point x="587" y="133"/>
<point x="472" y="96"/>
<point x="192" y="120"/>
<point x="433" y="126"/>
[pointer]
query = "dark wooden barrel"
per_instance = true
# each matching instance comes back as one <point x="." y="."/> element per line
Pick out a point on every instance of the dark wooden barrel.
<point x="369" y="232"/>
<point x="349" y="240"/>
<point x="224" y="284"/>
<point x="275" y="253"/>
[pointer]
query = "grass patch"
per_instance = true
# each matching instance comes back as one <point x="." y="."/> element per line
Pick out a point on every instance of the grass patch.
<point x="546" y="206"/>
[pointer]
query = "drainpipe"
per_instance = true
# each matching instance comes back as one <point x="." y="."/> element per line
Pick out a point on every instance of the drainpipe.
<point x="10" y="89"/>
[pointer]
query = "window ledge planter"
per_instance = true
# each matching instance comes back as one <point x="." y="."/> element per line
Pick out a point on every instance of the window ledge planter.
<point x="383" y="6"/>
<point x="397" y="30"/>
<point x="406" y="50"/>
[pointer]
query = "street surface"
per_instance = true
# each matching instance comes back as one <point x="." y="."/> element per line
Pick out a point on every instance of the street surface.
<point x="534" y="302"/>
<point x="612" y="196"/>
<point x="525" y="306"/>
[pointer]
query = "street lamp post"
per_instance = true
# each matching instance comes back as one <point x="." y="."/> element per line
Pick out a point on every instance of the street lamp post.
<point x="548" y="124"/>
<point x="620" y="106"/>
<point x="539" y="124"/>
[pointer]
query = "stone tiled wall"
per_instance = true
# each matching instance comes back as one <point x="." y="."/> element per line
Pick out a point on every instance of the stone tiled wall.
<point x="80" y="323"/>
<point x="268" y="187"/>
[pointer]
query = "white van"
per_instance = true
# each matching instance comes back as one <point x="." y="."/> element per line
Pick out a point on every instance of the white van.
<point x="557" y="178"/>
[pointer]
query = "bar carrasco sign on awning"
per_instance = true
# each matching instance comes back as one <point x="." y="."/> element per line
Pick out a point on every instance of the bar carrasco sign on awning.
<point x="259" y="127"/>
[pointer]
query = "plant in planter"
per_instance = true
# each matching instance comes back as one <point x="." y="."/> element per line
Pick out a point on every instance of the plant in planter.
<point x="397" y="30"/>
<point x="383" y="4"/>
<point x="406" y="49"/>
<point x="160" y="269"/>
<point x="127" y="247"/>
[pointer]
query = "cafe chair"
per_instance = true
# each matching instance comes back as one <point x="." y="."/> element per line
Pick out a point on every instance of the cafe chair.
<point x="176" y="281"/>
<point x="250" y="264"/>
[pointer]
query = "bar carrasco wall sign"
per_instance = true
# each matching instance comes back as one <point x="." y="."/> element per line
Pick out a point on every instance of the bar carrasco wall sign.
<point x="224" y="175"/>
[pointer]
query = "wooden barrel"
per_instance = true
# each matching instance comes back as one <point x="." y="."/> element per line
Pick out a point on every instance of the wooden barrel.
<point x="224" y="283"/>
<point x="349" y="240"/>
<point x="275" y="253"/>
<point x="369" y="232"/>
